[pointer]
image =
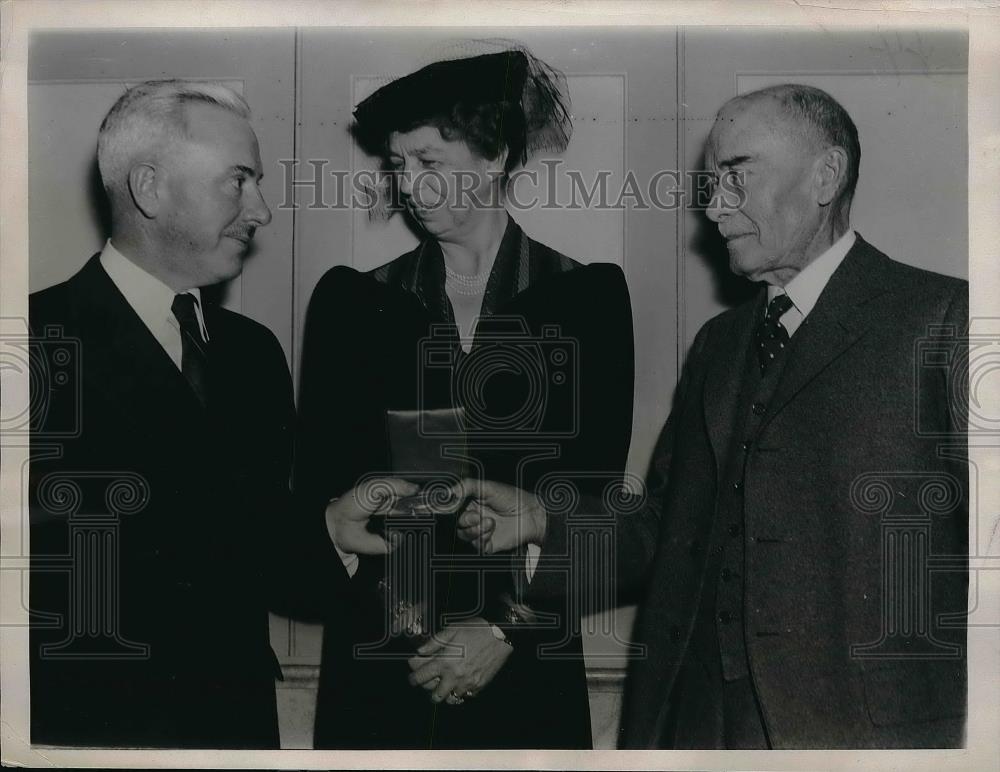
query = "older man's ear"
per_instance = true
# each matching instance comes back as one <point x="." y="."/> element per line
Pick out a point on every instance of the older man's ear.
<point x="831" y="175"/>
<point x="143" y="186"/>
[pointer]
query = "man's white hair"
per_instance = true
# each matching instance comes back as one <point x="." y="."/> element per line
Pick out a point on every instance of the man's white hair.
<point x="151" y="115"/>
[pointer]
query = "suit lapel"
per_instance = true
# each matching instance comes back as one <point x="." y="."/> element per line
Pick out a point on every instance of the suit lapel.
<point x="230" y="362"/>
<point x="724" y="378"/>
<point x="124" y="361"/>
<point x="841" y="317"/>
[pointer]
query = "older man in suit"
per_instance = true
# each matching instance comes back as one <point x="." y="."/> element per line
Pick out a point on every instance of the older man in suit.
<point x="811" y="468"/>
<point x="162" y="528"/>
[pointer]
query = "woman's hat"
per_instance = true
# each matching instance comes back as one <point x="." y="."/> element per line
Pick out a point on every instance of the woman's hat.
<point x="529" y="94"/>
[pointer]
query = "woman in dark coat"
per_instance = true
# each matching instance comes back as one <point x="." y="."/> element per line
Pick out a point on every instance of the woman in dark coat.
<point x="534" y="347"/>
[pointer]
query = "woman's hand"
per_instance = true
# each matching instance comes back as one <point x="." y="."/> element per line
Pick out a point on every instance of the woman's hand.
<point x="499" y="517"/>
<point x="347" y="517"/>
<point x="459" y="661"/>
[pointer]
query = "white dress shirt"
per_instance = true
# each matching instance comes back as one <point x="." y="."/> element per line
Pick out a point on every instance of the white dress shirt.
<point x="804" y="290"/>
<point x="151" y="299"/>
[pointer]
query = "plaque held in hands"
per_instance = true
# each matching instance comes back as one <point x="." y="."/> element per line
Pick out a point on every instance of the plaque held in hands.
<point x="429" y="448"/>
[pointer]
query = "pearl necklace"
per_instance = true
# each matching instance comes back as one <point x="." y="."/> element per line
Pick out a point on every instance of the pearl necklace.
<point x="465" y="284"/>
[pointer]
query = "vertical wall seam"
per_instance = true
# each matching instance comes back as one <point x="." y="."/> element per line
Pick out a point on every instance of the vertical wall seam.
<point x="296" y="123"/>
<point x="681" y="246"/>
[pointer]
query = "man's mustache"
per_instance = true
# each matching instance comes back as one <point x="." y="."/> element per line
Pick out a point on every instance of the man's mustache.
<point x="245" y="233"/>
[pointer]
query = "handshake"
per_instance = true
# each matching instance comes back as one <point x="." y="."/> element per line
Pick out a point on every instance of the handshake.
<point x="491" y="516"/>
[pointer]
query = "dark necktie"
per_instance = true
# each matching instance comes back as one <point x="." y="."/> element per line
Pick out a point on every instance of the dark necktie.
<point x="194" y="350"/>
<point x="771" y="337"/>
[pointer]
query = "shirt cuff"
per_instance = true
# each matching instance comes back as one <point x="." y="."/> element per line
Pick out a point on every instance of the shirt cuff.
<point x="531" y="560"/>
<point x="349" y="559"/>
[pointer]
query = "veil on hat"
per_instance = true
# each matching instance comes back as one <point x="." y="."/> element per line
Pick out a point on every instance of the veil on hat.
<point x="545" y="96"/>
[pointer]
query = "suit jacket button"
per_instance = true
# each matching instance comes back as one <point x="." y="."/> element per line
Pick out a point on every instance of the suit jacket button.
<point x="725" y="617"/>
<point x="759" y="408"/>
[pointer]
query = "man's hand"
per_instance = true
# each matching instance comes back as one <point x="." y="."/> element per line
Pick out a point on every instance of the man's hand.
<point x="347" y="517"/>
<point x="499" y="517"/>
<point x="459" y="661"/>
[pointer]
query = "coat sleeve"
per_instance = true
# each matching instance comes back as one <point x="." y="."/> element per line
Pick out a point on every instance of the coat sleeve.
<point x="957" y="317"/>
<point x="306" y="577"/>
<point x="633" y="520"/>
<point x="340" y="417"/>
<point x="585" y="314"/>
<point x="950" y="590"/>
<point x="340" y="435"/>
<point x="606" y="353"/>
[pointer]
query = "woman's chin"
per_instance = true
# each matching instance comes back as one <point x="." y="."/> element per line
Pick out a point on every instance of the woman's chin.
<point x="433" y="222"/>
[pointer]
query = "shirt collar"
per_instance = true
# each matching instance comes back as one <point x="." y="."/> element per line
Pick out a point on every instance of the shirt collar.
<point x="806" y="287"/>
<point x="149" y="297"/>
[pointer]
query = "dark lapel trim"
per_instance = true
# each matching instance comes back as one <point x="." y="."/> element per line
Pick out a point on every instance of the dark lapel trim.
<point x="842" y="316"/>
<point x="510" y="269"/>
<point x="422" y="273"/>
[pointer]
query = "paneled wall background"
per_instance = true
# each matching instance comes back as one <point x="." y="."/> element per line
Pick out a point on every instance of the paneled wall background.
<point x="643" y="101"/>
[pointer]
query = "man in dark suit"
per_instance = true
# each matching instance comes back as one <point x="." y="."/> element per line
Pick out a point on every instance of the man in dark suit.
<point x="161" y="523"/>
<point x="808" y="584"/>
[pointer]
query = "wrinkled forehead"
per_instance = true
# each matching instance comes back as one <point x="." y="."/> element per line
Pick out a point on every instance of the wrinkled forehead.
<point x="416" y="140"/>
<point x="745" y="127"/>
<point x="222" y="130"/>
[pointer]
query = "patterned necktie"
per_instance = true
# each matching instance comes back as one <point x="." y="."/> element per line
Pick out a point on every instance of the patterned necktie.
<point x="194" y="349"/>
<point x="771" y="337"/>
